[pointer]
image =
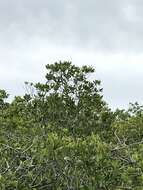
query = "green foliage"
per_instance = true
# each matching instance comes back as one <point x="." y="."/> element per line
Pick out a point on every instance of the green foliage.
<point x="62" y="135"/>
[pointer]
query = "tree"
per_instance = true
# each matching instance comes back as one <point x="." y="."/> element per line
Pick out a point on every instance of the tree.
<point x="3" y="96"/>
<point x="63" y="136"/>
<point x="70" y="99"/>
<point x="3" y="105"/>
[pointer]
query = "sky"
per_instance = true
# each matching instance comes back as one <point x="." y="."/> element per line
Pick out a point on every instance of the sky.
<point x="107" y="35"/>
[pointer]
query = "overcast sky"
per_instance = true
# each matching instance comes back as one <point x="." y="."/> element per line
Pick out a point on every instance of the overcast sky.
<point x="107" y="34"/>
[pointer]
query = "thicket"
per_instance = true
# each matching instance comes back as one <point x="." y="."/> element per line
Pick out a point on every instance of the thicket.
<point x="62" y="135"/>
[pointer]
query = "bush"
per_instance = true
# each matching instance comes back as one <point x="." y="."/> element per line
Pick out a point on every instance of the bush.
<point x="65" y="137"/>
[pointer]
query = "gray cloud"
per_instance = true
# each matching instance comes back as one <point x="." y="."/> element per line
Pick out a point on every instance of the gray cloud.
<point x="105" y="34"/>
<point x="110" y="25"/>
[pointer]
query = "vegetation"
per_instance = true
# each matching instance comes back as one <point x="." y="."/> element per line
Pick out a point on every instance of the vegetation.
<point x="63" y="136"/>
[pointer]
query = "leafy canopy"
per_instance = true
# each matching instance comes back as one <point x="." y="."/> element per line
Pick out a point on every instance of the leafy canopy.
<point x="61" y="135"/>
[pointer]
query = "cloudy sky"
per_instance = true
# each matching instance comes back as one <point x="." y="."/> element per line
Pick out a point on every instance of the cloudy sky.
<point x="107" y="34"/>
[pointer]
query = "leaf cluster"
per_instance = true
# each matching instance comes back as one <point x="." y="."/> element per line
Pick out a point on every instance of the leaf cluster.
<point x="62" y="135"/>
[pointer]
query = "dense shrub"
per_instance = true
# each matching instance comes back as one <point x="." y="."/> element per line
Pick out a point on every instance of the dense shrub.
<point x="63" y="136"/>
